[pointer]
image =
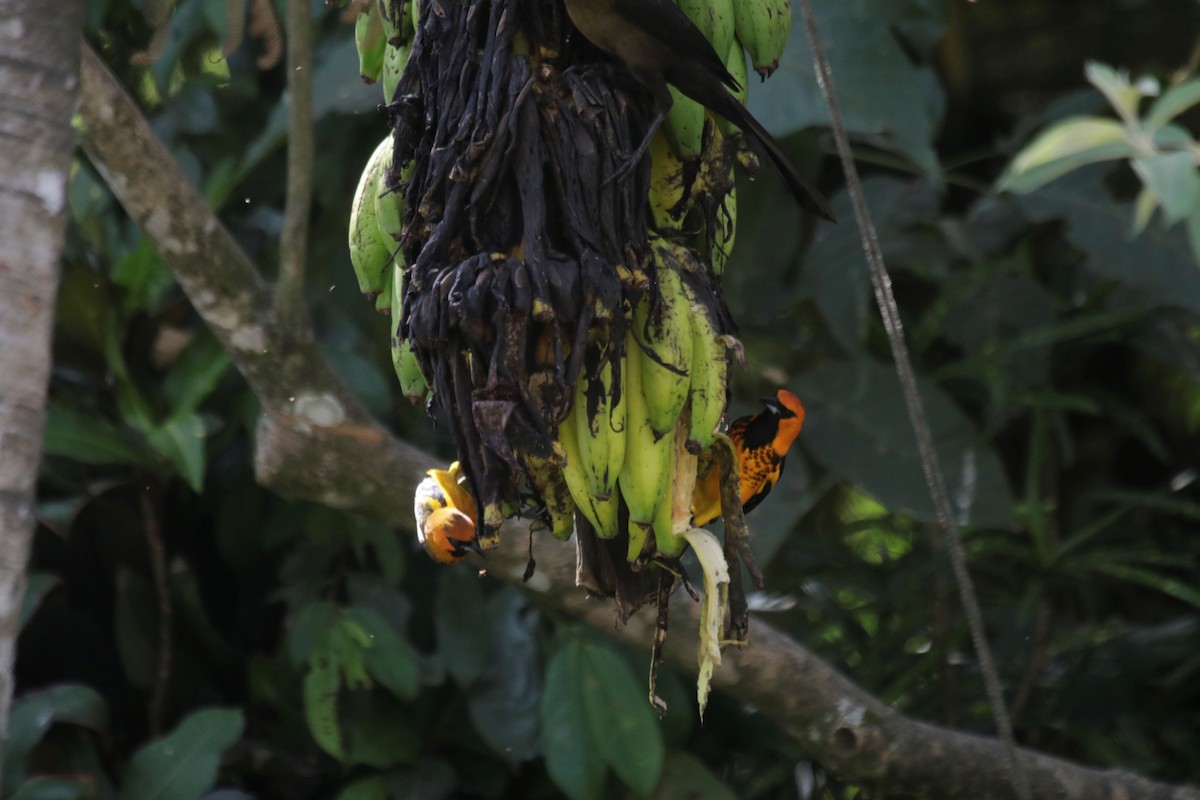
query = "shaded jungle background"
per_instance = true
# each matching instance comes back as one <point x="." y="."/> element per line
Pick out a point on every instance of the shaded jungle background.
<point x="1061" y="362"/>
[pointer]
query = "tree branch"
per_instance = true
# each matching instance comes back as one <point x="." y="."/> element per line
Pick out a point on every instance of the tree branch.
<point x="348" y="461"/>
<point x="38" y="88"/>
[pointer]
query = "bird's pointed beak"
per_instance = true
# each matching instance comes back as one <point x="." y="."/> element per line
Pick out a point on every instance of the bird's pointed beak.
<point x="474" y="547"/>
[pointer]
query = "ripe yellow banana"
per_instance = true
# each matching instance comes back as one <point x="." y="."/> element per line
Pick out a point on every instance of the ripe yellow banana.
<point x="601" y="512"/>
<point x="645" y="475"/>
<point x="550" y="486"/>
<point x="599" y="416"/>
<point x="669" y="193"/>
<point x="709" y="392"/>
<point x="666" y="333"/>
<point x="369" y="41"/>
<point x="763" y="28"/>
<point x="369" y="251"/>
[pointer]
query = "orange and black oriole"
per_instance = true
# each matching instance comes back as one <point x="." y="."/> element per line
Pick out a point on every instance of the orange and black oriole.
<point x="762" y="442"/>
<point x="446" y="516"/>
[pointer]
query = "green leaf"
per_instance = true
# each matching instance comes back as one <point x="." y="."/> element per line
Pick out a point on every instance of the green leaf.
<point x="623" y="726"/>
<point x="184" y="764"/>
<point x="87" y="439"/>
<point x="33" y="714"/>
<point x="384" y="734"/>
<point x="884" y="96"/>
<point x="685" y="777"/>
<point x="858" y="426"/>
<point x="389" y="658"/>
<point x="1063" y="148"/>
<point x="1114" y="85"/>
<point x="372" y="787"/>
<point x="321" y="686"/>
<point x="1175" y="182"/>
<point x="1158" y="263"/>
<point x="55" y="788"/>
<point x="136" y="626"/>
<point x="464" y="632"/>
<point x="1151" y="579"/>
<point x="503" y="701"/>
<point x="196" y="373"/>
<point x="181" y="440"/>
<point x="572" y="757"/>
<point x="37" y="585"/>
<point x="145" y="277"/>
<point x="1173" y="102"/>
<point x="307" y="628"/>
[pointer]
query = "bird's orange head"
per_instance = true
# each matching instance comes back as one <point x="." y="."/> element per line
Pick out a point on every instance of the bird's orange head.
<point x="788" y="412"/>
<point x="449" y="535"/>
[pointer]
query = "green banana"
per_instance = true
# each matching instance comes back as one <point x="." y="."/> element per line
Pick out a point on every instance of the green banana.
<point x="390" y="23"/>
<point x="394" y="59"/>
<point x="645" y="475"/>
<point x="370" y="43"/>
<point x="714" y="18"/>
<point x="735" y="62"/>
<point x="389" y="205"/>
<point x="709" y="392"/>
<point x="601" y="512"/>
<point x="668" y="336"/>
<point x="600" y="426"/>
<point x="370" y="252"/>
<point x="763" y="27"/>
<point x="684" y="125"/>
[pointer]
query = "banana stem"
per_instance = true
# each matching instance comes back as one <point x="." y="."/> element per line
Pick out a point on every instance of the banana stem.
<point x="293" y="242"/>
<point x="737" y="539"/>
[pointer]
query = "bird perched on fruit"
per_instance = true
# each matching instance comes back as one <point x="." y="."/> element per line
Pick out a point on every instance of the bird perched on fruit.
<point x="659" y="45"/>
<point x="446" y="516"/>
<point x="762" y="443"/>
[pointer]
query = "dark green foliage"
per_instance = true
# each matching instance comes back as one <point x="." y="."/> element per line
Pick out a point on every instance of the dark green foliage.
<point x="315" y="655"/>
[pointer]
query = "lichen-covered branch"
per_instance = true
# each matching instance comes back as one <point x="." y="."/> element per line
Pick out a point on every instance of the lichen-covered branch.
<point x="38" y="86"/>
<point x="315" y="441"/>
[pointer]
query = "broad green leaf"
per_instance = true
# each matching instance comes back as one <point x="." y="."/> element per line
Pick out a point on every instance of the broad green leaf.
<point x="87" y="439"/>
<point x="55" y="788"/>
<point x="307" y="628"/>
<point x="885" y="98"/>
<point x="1063" y="148"/>
<point x="196" y="373"/>
<point x="685" y="777"/>
<point x="623" y="726"/>
<point x="1175" y="181"/>
<point x="1158" y="264"/>
<point x="388" y="657"/>
<point x="858" y="425"/>
<point x="1114" y="85"/>
<point x="373" y="787"/>
<point x="181" y="440"/>
<point x="144" y="276"/>
<point x="37" y="585"/>
<point x="33" y="714"/>
<point x="136" y="628"/>
<point x="572" y="757"/>
<point x="1173" y="102"/>
<point x="1193" y="232"/>
<point x="464" y="632"/>
<point x="1143" y="211"/>
<point x="383" y="734"/>
<point x="503" y="701"/>
<point x="183" y="764"/>
<point x="322" y="683"/>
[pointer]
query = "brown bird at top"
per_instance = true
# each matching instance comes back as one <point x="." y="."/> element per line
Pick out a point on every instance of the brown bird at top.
<point x="659" y="45"/>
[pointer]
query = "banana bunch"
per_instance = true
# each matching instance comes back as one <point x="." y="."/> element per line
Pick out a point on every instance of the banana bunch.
<point x="383" y="35"/>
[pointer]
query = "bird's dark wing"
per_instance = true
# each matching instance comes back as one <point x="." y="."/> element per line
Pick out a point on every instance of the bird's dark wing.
<point x="664" y="20"/>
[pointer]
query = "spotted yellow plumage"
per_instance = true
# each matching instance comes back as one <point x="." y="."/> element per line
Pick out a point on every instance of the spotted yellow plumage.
<point x="762" y="443"/>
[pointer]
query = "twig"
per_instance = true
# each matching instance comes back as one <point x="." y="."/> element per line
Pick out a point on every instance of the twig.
<point x="293" y="243"/>
<point x="158" y="565"/>
<point x="916" y="410"/>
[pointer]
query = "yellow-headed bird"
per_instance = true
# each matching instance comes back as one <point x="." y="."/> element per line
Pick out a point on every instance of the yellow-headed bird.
<point x="446" y="516"/>
<point x="762" y="442"/>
